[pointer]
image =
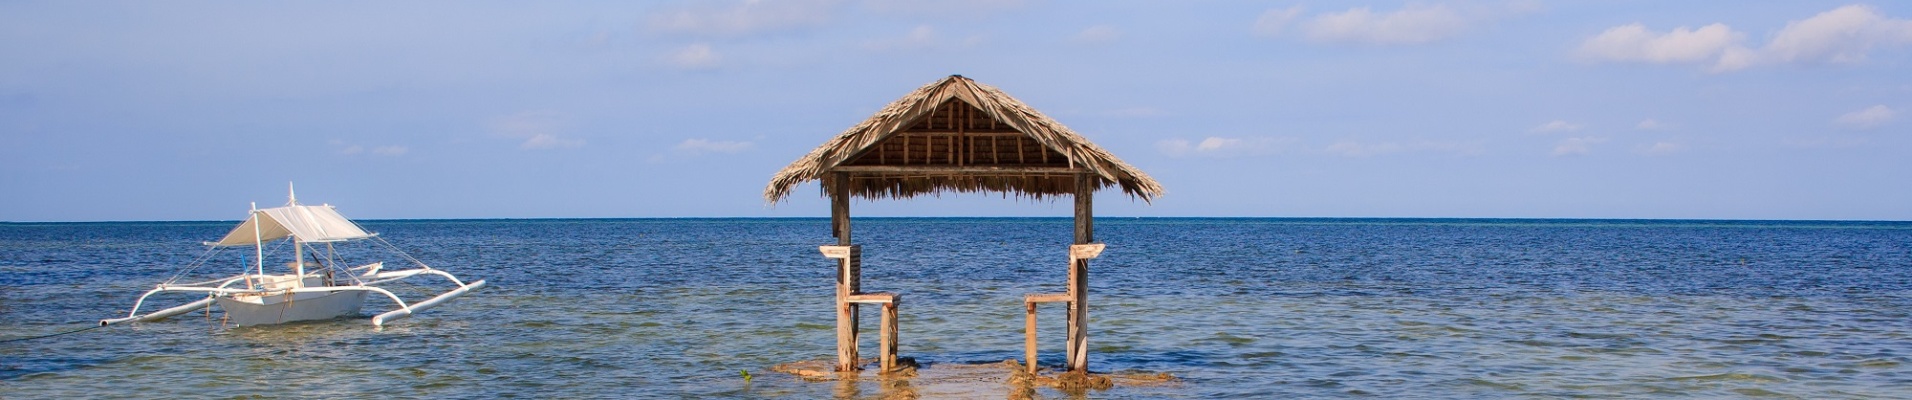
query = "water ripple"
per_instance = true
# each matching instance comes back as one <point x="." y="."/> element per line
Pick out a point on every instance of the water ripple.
<point x="1253" y="308"/>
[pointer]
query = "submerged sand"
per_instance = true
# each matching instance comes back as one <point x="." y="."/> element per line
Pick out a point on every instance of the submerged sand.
<point x="1007" y="379"/>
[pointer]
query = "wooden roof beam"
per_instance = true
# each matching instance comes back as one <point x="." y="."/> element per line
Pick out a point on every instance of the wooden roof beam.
<point x="965" y="169"/>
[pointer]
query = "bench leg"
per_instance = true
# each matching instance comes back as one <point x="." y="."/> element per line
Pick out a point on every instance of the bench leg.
<point x="846" y="337"/>
<point x="1029" y="337"/>
<point x="888" y="341"/>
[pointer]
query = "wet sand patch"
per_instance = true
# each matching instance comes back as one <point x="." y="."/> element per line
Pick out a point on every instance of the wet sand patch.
<point x="1007" y="379"/>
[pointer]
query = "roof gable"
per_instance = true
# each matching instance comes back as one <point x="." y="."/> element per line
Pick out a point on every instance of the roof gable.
<point x="956" y="133"/>
<point x="959" y="135"/>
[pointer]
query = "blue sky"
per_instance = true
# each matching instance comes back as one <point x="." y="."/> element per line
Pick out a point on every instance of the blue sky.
<point x="1553" y="109"/>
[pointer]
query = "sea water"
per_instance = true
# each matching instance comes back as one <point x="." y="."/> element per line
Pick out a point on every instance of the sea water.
<point x="1233" y="308"/>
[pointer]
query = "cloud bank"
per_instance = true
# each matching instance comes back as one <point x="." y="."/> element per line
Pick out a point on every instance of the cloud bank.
<point x="1556" y="126"/>
<point x="1574" y="146"/>
<point x="707" y="146"/>
<point x="1411" y="24"/>
<point x="1871" y="117"/>
<point x="1097" y="34"/>
<point x="1215" y="146"/>
<point x="538" y="129"/>
<point x="744" y="18"/>
<point x="1842" y="35"/>
<point x="695" y="56"/>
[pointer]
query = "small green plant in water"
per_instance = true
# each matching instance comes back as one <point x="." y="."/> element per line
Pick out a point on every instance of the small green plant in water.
<point x="746" y="374"/>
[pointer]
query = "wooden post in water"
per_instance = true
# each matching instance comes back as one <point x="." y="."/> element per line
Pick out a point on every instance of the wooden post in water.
<point x="1078" y="348"/>
<point x="886" y="345"/>
<point x="1029" y="336"/>
<point x="849" y="273"/>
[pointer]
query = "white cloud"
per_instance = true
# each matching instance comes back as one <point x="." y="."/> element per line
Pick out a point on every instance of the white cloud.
<point x="695" y="56"/>
<point x="1715" y="45"/>
<point x="1175" y="147"/>
<point x="549" y="141"/>
<point x="705" y="146"/>
<point x="1135" y="112"/>
<point x="744" y="17"/>
<point x="1215" y="143"/>
<point x="355" y="149"/>
<point x="1413" y="24"/>
<point x="1842" y="35"/>
<point x="944" y="8"/>
<point x="1352" y="148"/>
<point x="1869" y="118"/>
<point x="1657" y="148"/>
<point x="1214" y="146"/>
<point x="920" y="37"/>
<point x="1555" y="126"/>
<point x="1577" y="145"/>
<point x="1652" y="125"/>
<point x="1097" y="34"/>
<point x="1827" y="142"/>
<point x="390" y="150"/>
<point x="1275" y="20"/>
<point x="1457" y="148"/>
<point x="539" y="129"/>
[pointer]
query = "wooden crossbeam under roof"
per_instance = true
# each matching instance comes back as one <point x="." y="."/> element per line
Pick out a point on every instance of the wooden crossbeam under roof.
<point x="959" y="135"/>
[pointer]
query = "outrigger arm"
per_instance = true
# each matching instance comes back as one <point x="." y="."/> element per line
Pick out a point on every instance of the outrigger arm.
<point x="161" y="314"/>
<point x="404" y="309"/>
<point x="407" y="311"/>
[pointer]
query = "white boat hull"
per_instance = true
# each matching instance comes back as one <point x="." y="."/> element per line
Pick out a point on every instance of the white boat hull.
<point x="252" y="310"/>
<point x="320" y="285"/>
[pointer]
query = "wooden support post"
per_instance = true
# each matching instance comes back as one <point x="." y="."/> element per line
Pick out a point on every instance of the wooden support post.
<point x="1029" y="336"/>
<point x="850" y="264"/>
<point x="840" y="207"/>
<point x="1078" y="356"/>
<point x="846" y="337"/>
<point x="848" y="271"/>
<point x="887" y="344"/>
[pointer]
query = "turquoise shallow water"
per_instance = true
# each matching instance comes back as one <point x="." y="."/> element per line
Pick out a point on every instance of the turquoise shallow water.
<point x="675" y="308"/>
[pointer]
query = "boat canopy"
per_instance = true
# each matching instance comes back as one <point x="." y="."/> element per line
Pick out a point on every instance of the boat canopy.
<point x="306" y="223"/>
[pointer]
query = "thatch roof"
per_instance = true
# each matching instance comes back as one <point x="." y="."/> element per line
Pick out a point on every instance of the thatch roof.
<point x="958" y="135"/>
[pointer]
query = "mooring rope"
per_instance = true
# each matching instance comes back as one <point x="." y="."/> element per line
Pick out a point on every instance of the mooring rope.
<point x="52" y="335"/>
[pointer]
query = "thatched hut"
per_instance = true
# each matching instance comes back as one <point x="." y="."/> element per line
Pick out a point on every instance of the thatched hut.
<point x="956" y="135"/>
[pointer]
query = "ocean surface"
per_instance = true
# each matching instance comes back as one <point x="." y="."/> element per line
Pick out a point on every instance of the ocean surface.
<point x="1233" y="308"/>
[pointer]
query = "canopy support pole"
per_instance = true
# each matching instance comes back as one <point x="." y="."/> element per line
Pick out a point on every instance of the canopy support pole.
<point x="298" y="263"/>
<point x="258" y="246"/>
<point x="1078" y="348"/>
<point x="848" y="272"/>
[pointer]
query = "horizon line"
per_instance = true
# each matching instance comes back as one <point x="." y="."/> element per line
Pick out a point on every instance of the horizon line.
<point x="825" y="217"/>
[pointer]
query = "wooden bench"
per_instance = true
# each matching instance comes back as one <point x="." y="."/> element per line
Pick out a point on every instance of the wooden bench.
<point x="1029" y="301"/>
<point x="886" y="336"/>
<point x="850" y="295"/>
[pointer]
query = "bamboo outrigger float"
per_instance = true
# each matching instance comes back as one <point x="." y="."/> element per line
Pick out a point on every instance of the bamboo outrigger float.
<point x="319" y="284"/>
<point x="958" y="135"/>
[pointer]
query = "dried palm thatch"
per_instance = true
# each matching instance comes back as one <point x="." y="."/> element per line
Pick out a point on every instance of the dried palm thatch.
<point x="958" y="135"/>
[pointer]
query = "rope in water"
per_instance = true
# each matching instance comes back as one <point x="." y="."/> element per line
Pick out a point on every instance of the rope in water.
<point x="52" y="335"/>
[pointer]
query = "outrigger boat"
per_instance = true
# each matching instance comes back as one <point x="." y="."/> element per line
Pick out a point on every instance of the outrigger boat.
<point x="319" y="285"/>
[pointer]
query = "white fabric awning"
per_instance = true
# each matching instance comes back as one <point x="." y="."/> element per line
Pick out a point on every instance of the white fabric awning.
<point x="305" y="223"/>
